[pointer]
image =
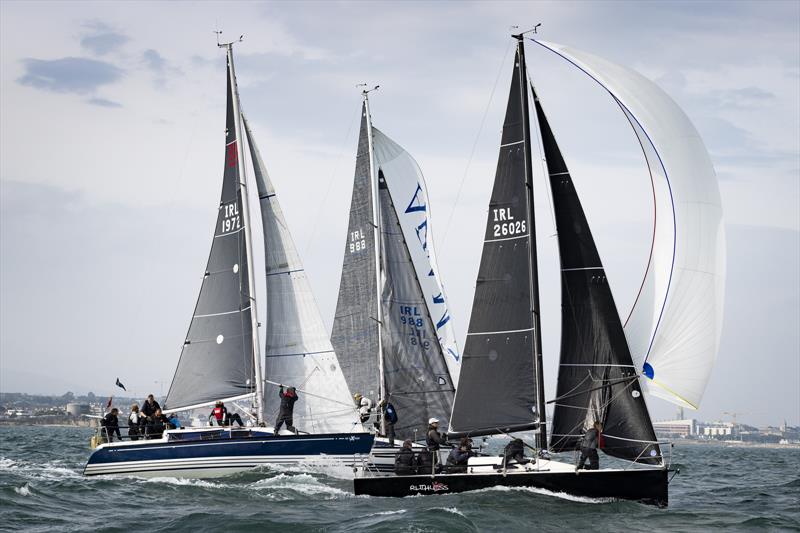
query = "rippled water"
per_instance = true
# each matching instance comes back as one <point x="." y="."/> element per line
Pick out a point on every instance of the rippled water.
<point x="42" y="489"/>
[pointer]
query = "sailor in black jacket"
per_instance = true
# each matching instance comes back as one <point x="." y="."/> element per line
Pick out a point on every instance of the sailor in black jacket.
<point x="286" y="412"/>
<point x="589" y="445"/>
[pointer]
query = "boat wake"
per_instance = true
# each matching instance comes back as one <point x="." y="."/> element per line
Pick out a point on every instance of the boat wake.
<point x="545" y="492"/>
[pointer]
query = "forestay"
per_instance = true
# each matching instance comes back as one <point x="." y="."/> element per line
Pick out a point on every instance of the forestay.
<point x="674" y="327"/>
<point x="217" y="359"/>
<point x="298" y="351"/>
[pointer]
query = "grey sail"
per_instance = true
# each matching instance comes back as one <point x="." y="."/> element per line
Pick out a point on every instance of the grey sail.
<point x="499" y="382"/>
<point x="417" y="380"/>
<point x="217" y="359"/>
<point x="355" y="326"/>
<point x="298" y="351"/>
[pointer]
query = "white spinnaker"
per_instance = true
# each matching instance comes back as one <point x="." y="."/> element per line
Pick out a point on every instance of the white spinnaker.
<point x="407" y="187"/>
<point x="674" y="327"/>
<point x="298" y="350"/>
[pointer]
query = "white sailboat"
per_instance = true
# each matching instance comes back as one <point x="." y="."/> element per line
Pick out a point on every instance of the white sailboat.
<point x="667" y="347"/>
<point x="222" y="359"/>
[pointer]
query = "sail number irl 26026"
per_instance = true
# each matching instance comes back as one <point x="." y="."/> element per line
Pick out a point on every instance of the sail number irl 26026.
<point x="506" y="225"/>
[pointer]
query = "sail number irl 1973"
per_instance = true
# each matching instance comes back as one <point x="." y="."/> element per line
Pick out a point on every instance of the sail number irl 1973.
<point x="505" y="225"/>
<point x="231" y="221"/>
<point x="357" y="241"/>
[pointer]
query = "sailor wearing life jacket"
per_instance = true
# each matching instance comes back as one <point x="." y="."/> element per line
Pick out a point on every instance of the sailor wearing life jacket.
<point x="218" y="414"/>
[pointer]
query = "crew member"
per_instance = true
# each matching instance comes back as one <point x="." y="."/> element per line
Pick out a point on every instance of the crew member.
<point x="515" y="451"/>
<point x="589" y="444"/>
<point x="111" y="424"/>
<point x="286" y="412"/>
<point x="219" y="414"/>
<point x="389" y="420"/>
<point x="405" y="463"/>
<point x="364" y="407"/>
<point x="459" y="457"/>
<point x="134" y="421"/>
<point x="149" y="408"/>
<point x="433" y="438"/>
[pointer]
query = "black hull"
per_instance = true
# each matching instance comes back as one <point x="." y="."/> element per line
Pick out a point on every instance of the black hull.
<point x="646" y="486"/>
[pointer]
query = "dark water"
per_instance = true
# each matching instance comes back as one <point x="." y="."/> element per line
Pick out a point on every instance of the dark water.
<point x="42" y="489"/>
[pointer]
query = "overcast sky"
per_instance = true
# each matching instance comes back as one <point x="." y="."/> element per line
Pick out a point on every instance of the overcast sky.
<point x="112" y="125"/>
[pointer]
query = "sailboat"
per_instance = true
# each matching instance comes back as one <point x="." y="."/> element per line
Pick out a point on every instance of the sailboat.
<point x="392" y="330"/>
<point x="222" y="359"/>
<point x="666" y="349"/>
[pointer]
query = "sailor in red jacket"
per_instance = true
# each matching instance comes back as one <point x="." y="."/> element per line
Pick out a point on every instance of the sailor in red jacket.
<point x="218" y="414"/>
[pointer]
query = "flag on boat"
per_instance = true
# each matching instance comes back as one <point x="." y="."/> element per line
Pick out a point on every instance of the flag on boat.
<point x="121" y="386"/>
<point x="108" y="404"/>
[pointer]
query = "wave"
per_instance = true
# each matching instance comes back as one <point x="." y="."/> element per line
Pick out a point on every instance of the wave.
<point x="545" y="492"/>
<point x="304" y="484"/>
<point x="24" y="490"/>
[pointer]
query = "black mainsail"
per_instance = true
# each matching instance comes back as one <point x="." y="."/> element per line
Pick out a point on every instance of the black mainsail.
<point x="217" y="360"/>
<point x="500" y="386"/>
<point x="383" y="332"/>
<point x="596" y="378"/>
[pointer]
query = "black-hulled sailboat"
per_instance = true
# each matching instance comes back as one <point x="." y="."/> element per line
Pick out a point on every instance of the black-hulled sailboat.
<point x="673" y="328"/>
<point x="222" y="359"/>
<point x="392" y="329"/>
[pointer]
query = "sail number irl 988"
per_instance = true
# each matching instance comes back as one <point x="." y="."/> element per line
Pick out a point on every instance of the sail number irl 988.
<point x="505" y="225"/>
<point x="357" y="241"/>
<point x="231" y="221"/>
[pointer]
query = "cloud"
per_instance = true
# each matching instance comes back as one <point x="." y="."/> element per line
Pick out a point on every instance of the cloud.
<point x="102" y="39"/>
<point x="68" y="74"/>
<point x="154" y="61"/>
<point x="102" y="102"/>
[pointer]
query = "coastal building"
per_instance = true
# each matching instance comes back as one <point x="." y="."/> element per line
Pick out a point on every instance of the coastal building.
<point x="78" y="409"/>
<point x="672" y="429"/>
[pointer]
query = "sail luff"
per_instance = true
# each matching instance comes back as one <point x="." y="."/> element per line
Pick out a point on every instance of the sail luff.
<point x="376" y="212"/>
<point x="251" y="291"/>
<point x="533" y="278"/>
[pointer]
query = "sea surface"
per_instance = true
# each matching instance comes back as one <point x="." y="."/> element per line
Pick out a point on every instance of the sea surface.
<point x="41" y="489"/>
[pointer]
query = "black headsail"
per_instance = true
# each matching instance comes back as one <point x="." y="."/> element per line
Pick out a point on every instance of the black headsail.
<point x="500" y="386"/>
<point x="217" y="360"/>
<point x="596" y="376"/>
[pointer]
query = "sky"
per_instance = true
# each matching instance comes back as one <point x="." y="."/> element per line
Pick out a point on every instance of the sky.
<point x="111" y="135"/>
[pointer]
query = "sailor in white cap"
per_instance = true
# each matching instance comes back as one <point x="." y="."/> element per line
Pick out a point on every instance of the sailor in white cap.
<point x="434" y="439"/>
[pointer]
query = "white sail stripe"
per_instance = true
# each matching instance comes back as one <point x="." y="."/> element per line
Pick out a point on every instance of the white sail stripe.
<point x="525" y="236"/>
<point x="229" y="233"/>
<point x="558" y="173"/>
<point x="223" y="313"/>
<point x="589" y="364"/>
<point x="500" y="332"/>
<point x="584" y="268"/>
<point x="630" y="440"/>
<point x="512" y="144"/>
<point x="230" y="143"/>
<point x="572" y="406"/>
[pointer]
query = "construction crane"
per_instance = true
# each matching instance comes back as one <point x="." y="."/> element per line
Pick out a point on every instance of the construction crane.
<point x="733" y="415"/>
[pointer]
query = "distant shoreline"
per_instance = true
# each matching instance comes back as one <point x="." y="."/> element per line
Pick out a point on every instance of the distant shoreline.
<point x="734" y="444"/>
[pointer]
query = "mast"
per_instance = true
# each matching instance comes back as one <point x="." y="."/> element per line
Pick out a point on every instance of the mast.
<point x="247" y="235"/>
<point x="376" y="226"/>
<point x="534" y="266"/>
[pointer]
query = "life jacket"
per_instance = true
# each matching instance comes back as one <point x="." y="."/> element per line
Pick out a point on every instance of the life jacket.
<point x="391" y="414"/>
<point x="219" y="413"/>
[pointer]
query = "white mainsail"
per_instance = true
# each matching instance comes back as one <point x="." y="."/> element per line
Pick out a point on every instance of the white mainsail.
<point x="407" y="187"/>
<point x="298" y="351"/>
<point x="674" y="327"/>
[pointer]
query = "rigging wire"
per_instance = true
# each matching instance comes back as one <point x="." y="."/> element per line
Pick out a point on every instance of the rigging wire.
<point x="315" y="222"/>
<point x="475" y="145"/>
